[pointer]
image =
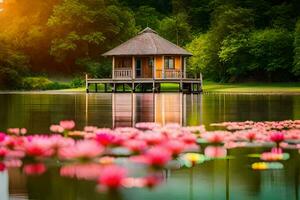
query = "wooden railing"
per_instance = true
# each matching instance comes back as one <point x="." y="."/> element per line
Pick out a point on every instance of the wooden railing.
<point x="169" y="74"/>
<point x="125" y="73"/>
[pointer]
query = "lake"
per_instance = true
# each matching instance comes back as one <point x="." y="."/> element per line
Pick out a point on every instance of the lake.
<point x="217" y="179"/>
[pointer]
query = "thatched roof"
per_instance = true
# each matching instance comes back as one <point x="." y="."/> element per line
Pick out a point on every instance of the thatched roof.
<point x="147" y="42"/>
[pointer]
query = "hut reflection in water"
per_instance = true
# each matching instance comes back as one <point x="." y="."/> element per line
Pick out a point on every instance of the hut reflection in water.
<point x="131" y="108"/>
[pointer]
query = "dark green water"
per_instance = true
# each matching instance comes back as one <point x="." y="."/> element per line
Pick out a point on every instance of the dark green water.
<point x="218" y="179"/>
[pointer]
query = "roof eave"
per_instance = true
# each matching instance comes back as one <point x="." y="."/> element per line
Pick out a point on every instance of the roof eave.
<point x="173" y="54"/>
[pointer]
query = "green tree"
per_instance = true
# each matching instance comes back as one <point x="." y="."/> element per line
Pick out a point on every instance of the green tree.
<point x="176" y="29"/>
<point x="296" y="68"/>
<point x="85" y="29"/>
<point x="228" y="24"/>
<point x="271" y="53"/>
<point x="13" y="65"/>
<point x="199" y="62"/>
<point x="146" y="16"/>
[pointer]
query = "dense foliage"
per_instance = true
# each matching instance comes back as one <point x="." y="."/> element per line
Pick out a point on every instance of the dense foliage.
<point x="235" y="40"/>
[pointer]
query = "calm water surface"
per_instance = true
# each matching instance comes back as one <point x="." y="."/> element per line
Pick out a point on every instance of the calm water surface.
<point x="219" y="179"/>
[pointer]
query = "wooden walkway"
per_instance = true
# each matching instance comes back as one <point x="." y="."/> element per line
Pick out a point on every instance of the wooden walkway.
<point x="186" y="85"/>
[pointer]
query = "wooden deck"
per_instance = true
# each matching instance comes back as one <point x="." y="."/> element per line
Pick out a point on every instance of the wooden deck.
<point x="187" y="85"/>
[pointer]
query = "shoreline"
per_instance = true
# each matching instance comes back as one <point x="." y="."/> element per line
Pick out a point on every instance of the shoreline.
<point x="209" y="88"/>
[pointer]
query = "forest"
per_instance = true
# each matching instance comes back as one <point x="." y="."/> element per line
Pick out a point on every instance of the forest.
<point x="231" y="40"/>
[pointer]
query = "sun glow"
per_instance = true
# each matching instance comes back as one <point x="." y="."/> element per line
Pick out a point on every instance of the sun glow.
<point x="1" y="9"/>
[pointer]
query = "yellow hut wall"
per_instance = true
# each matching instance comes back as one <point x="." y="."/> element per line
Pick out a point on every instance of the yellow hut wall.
<point x="160" y="61"/>
<point x="177" y="63"/>
<point x="159" y="65"/>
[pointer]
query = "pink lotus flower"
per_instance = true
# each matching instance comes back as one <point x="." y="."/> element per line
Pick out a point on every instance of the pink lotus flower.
<point x="270" y="156"/>
<point x="13" y="131"/>
<point x="276" y="150"/>
<point x="151" y="181"/>
<point x="82" y="150"/>
<point x="277" y="137"/>
<point x="35" y="169"/>
<point x="2" y="137"/>
<point x="17" y="131"/>
<point x="67" y="124"/>
<point x="13" y="163"/>
<point x="15" y="154"/>
<point x="38" y="146"/>
<point x="152" y="138"/>
<point x="189" y="138"/>
<point x="56" y="129"/>
<point x="135" y="146"/>
<point x="215" y="152"/>
<point x="23" y="131"/>
<point x="3" y="152"/>
<point x="12" y="142"/>
<point x="251" y="136"/>
<point x="214" y="137"/>
<point x="104" y="138"/>
<point x="2" y="167"/>
<point x="112" y="177"/>
<point x="158" y="156"/>
<point x="175" y="147"/>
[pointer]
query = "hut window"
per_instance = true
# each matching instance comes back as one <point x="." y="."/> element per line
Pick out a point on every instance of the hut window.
<point x="123" y="62"/>
<point x="151" y="62"/>
<point x="169" y="62"/>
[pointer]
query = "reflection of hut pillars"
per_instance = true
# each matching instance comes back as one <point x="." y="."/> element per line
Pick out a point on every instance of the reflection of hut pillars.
<point x="180" y="108"/>
<point x="86" y="109"/>
<point x="4" y="194"/>
<point x="133" y="107"/>
<point x="154" y="107"/>
<point x="75" y="106"/>
<point x="113" y="109"/>
<point x="201" y="109"/>
<point x="192" y="104"/>
<point x="184" y="110"/>
<point x="163" y="110"/>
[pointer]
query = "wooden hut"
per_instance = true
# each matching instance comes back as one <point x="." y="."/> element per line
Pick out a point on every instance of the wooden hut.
<point x="147" y="60"/>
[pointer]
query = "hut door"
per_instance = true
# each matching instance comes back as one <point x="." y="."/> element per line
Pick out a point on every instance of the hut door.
<point x="138" y="67"/>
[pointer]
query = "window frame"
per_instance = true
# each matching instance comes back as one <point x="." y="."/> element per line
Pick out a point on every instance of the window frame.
<point x="167" y="62"/>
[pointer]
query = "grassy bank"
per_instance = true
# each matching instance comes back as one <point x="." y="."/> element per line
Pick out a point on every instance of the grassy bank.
<point x="208" y="86"/>
<point x="213" y="87"/>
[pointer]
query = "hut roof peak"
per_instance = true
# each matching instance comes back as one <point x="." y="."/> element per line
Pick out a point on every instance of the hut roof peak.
<point x="147" y="42"/>
<point x="148" y="30"/>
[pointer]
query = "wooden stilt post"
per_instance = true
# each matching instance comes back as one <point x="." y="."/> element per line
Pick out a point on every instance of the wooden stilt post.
<point x="153" y="86"/>
<point x="96" y="87"/>
<point x="201" y="82"/>
<point x="180" y="86"/>
<point x="114" y="87"/>
<point x="86" y="83"/>
<point x="159" y="87"/>
<point x="132" y="87"/>
<point x="105" y="87"/>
